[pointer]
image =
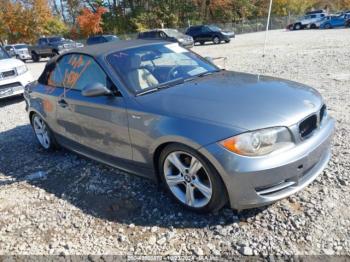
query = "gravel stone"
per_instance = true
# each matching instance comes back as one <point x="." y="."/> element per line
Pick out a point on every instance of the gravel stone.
<point x="246" y="251"/>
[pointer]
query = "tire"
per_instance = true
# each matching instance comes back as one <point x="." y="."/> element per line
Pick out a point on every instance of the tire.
<point x="327" y="26"/>
<point x="216" y="40"/>
<point x="202" y="42"/>
<point x="313" y="26"/>
<point x="200" y="190"/>
<point x="297" y="26"/>
<point x="35" y="57"/>
<point x="43" y="133"/>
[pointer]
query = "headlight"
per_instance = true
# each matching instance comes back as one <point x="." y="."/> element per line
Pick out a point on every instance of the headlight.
<point x="260" y="142"/>
<point x="21" y="69"/>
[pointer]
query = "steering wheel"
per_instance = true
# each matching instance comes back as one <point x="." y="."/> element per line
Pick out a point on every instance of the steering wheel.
<point x="172" y="73"/>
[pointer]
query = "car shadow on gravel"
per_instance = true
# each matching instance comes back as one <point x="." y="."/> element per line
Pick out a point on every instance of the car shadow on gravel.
<point x="98" y="190"/>
<point x="11" y="100"/>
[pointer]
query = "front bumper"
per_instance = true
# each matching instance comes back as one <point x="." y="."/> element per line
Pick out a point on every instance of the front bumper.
<point x="15" y="85"/>
<point x="187" y="44"/>
<point x="259" y="181"/>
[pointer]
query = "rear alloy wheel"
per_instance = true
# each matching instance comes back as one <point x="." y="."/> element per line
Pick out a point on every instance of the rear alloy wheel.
<point x="216" y="40"/>
<point x="43" y="133"/>
<point x="190" y="180"/>
<point x="327" y="26"/>
<point x="297" y="26"/>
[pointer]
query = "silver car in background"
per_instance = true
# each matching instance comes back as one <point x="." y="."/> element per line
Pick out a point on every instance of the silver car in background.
<point x="211" y="137"/>
<point x="14" y="75"/>
<point x="20" y="51"/>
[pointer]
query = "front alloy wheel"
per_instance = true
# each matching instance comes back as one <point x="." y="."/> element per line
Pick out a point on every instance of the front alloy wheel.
<point x="191" y="181"/>
<point x="216" y="40"/>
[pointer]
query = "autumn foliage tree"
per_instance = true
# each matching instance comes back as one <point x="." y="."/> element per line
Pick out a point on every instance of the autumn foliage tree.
<point x="26" y="20"/>
<point x="90" y="22"/>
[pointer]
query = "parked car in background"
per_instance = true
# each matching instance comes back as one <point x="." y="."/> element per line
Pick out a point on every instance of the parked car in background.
<point x="347" y="20"/>
<point x="310" y="20"/>
<point x="14" y="75"/>
<point x="209" y="33"/>
<point x="51" y="46"/>
<point x="168" y="34"/>
<point x="20" y="51"/>
<point x="211" y="137"/>
<point x="99" y="39"/>
<point x="334" y="21"/>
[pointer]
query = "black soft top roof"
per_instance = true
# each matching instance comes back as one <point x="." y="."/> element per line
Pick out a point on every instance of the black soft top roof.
<point x="110" y="47"/>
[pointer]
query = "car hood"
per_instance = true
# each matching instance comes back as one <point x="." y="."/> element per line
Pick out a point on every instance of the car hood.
<point x="9" y="63"/>
<point x="239" y="100"/>
<point x="228" y="33"/>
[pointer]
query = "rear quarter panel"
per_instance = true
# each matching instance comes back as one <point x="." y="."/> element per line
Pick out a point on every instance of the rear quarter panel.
<point x="43" y="101"/>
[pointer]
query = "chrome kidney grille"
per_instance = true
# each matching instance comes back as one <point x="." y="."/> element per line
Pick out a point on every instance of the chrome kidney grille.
<point x="311" y="123"/>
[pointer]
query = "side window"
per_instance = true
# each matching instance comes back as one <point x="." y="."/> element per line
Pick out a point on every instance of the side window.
<point x="75" y="71"/>
<point x="91" y="41"/>
<point x="205" y="29"/>
<point x="42" y="41"/>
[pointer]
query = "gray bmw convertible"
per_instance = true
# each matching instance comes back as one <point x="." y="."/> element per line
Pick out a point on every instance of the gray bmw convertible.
<point x="211" y="137"/>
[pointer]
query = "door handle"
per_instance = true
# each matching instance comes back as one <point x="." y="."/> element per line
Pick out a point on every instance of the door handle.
<point x="62" y="103"/>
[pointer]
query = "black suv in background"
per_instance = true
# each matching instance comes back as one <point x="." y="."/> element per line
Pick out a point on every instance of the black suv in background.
<point x="171" y="35"/>
<point x="209" y="33"/>
<point x="99" y="39"/>
<point x="51" y="46"/>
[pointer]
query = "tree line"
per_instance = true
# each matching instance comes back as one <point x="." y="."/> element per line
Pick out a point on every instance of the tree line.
<point x="25" y="20"/>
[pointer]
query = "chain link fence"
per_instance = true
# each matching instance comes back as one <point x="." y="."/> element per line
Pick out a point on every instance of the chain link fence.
<point x="255" y="25"/>
<point x="241" y="27"/>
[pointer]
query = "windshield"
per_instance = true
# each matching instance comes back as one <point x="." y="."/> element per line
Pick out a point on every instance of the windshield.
<point x="173" y="33"/>
<point x="20" y="46"/>
<point x="3" y="54"/>
<point x="152" y="66"/>
<point x="111" y="38"/>
<point x="214" y="28"/>
<point x="56" y="39"/>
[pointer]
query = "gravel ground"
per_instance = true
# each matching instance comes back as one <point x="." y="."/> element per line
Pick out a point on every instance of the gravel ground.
<point x="61" y="203"/>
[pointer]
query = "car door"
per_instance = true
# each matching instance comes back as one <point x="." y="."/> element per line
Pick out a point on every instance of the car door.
<point x="339" y="21"/>
<point x="96" y="126"/>
<point x="206" y="34"/>
<point x="43" y="46"/>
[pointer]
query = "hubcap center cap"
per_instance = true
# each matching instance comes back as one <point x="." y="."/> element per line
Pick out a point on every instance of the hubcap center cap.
<point x="187" y="178"/>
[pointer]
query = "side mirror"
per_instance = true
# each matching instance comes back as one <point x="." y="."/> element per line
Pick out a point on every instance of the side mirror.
<point x="95" y="89"/>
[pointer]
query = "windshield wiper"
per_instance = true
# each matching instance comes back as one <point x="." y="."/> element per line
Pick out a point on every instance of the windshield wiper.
<point x="202" y="74"/>
<point x="163" y="85"/>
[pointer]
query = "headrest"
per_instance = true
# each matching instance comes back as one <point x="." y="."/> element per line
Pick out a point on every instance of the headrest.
<point x="134" y="62"/>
